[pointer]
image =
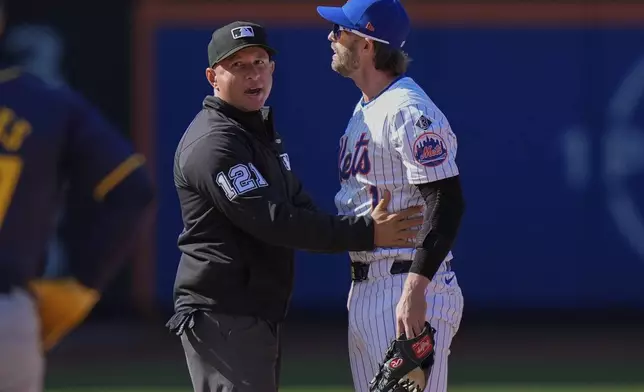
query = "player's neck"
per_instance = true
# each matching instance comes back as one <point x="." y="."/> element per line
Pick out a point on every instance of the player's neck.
<point x="372" y="82"/>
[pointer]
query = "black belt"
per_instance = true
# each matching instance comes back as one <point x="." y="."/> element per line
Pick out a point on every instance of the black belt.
<point x="360" y="271"/>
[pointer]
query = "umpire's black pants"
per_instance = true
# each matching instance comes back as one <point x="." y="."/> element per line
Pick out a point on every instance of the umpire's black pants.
<point x="232" y="353"/>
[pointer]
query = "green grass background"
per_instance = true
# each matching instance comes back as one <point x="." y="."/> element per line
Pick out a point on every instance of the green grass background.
<point x="327" y="376"/>
<point x="490" y="359"/>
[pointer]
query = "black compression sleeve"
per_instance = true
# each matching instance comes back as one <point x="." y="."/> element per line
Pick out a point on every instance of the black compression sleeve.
<point x="444" y="206"/>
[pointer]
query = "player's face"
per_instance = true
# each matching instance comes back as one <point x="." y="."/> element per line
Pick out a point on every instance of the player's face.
<point x="244" y="79"/>
<point x="346" y="57"/>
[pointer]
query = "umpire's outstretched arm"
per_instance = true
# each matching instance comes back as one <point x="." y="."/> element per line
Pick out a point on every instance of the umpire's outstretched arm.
<point x="262" y="211"/>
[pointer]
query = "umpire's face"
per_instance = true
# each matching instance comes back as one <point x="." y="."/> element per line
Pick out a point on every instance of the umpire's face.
<point x="244" y="79"/>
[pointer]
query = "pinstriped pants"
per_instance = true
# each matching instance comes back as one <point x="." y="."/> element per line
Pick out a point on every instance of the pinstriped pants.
<point x="372" y="321"/>
<point x="21" y="360"/>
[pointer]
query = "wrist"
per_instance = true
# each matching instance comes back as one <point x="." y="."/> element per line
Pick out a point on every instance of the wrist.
<point x="416" y="283"/>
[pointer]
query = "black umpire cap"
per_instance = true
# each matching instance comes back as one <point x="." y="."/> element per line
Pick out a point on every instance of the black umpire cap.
<point x="234" y="37"/>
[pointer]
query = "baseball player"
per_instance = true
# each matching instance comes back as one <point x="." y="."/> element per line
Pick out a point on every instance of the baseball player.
<point x="51" y="139"/>
<point x="397" y="141"/>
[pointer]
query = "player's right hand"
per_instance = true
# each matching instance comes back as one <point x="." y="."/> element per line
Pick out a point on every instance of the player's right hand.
<point x="396" y="230"/>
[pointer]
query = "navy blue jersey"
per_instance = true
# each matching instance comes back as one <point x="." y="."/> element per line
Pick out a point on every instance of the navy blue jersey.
<point x="52" y="140"/>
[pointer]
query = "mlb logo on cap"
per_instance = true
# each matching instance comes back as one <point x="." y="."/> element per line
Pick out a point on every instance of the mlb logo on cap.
<point x="242" y="32"/>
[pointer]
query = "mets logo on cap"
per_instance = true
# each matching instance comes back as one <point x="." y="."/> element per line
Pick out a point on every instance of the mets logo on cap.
<point x="430" y="149"/>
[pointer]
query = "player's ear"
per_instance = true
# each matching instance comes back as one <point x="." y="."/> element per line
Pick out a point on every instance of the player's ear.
<point x="369" y="45"/>
<point x="272" y="66"/>
<point x="211" y="76"/>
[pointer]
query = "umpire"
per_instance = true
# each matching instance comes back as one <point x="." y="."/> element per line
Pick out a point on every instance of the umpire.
<point x="244" y="213"/>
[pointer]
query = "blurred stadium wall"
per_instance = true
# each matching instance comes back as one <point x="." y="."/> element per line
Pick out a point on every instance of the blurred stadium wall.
<point x="545" y="99"/>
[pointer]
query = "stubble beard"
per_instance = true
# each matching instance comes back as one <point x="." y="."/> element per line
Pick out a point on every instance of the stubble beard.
<point x="346" y="61"/>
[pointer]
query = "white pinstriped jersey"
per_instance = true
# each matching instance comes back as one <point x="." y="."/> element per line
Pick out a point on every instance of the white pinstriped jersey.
<point x="396" y="141"/>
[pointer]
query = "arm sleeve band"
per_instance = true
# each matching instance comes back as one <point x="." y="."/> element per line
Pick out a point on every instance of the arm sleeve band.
<point x="444" y="207"/>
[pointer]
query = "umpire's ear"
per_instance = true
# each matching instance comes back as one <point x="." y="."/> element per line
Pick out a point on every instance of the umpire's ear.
<point x="211" y="76"/>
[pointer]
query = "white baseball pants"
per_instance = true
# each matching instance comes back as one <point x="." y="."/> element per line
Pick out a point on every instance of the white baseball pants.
<point x="372" y="321"/>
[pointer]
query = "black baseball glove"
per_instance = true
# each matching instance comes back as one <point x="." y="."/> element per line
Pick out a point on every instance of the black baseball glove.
<point x="407" y="364"/>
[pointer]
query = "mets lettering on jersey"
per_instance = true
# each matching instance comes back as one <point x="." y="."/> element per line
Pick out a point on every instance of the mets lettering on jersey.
<point x="396" y="141"/>
<point x="356" y="160"/>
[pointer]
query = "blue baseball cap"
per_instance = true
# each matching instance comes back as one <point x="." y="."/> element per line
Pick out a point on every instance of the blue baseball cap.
<point x="385" y="21"/>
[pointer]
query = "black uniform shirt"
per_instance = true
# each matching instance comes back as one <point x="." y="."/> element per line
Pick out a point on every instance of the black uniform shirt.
<point x="244" y="213"/>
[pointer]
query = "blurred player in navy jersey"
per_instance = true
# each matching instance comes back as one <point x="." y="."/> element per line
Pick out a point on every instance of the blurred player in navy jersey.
<point x="52" y="140"/>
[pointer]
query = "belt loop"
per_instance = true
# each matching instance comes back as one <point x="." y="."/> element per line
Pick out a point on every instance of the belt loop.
<point x="400" y="267"/>
<point x="359" y="271"/>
